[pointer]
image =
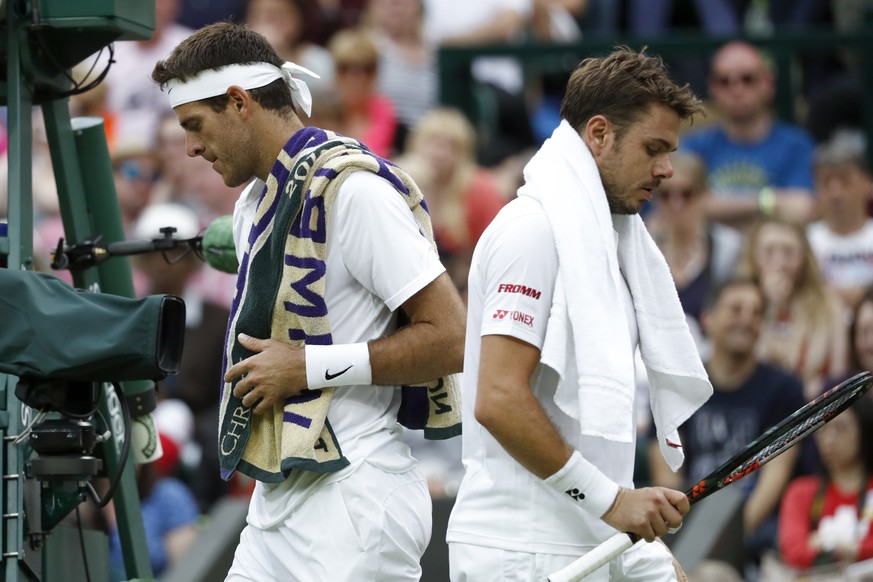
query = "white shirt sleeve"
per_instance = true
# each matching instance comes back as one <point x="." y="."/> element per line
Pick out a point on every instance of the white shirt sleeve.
<point x="380" y="241"/>
<point x="519" y="264"/>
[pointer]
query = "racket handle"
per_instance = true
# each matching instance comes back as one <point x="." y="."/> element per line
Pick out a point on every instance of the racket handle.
<point x="594" y="559"/>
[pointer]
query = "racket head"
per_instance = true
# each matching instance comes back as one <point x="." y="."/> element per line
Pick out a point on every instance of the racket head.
<point x="783" y="436"/>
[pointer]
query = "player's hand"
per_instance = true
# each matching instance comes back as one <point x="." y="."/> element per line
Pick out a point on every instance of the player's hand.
<point x="275" y="372"/>
<point x="647" y="512"/>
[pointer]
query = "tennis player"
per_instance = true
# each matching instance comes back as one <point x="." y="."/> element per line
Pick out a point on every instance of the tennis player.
<point x="334" y="244"/>
<point x="564" y="285"/>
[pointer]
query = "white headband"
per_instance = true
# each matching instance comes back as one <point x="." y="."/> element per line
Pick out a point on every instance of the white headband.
<point x="214" y="82"/>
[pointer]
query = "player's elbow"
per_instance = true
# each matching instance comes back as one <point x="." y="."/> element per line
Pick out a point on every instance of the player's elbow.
<point x="491" y="402"/>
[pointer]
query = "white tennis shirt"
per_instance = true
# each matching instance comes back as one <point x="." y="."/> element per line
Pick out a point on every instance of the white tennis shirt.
<point x="500" y="503"/>
<point x="377" y="258"/>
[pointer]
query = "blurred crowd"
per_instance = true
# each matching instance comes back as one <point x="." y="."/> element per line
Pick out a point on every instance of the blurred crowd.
<point x="765" y="224"/>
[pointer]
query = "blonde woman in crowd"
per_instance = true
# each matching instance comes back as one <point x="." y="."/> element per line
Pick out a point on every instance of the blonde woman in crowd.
<point x="367" y="115"/>
<point x="805" y="328"/>
<point x="462" y="197"/>
<point x="407" y="60"/>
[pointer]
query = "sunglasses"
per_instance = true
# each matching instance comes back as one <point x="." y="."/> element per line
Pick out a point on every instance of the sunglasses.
<point x="744" y="79"/>
<point x="131" y="170"/>
<point x="361" y="68"/>
<point x="685" y="193"/>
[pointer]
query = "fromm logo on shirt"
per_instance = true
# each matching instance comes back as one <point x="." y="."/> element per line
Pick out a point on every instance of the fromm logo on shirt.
<point x="511" y="288"/>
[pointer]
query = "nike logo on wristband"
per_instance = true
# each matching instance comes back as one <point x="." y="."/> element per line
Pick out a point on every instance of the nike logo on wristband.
<point x="329" y="376"/>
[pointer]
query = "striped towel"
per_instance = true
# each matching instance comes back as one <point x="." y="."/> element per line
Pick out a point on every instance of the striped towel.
<point x="280" y="294"/>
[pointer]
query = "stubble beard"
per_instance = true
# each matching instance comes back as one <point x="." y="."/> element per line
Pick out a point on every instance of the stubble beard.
<point x="617" y="203"/>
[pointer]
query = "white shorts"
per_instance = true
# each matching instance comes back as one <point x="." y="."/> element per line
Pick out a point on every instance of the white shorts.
<point x="369" y="526"/>
<point x="469" y="563"/>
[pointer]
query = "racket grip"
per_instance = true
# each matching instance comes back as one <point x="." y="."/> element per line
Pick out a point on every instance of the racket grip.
<point x="594" y="559"/>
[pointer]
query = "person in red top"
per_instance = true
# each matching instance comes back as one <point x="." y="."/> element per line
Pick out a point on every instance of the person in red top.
<point x="462" y="197"/>
<point x="826" y="519"/>
<point x="367" y="115"/>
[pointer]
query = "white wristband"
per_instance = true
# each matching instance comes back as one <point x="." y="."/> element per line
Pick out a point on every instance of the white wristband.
<point x="585" y="485"/>
<point x="337" y="365"/>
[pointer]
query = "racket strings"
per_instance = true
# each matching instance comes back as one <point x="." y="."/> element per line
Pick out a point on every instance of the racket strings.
<point x="792" y="432"/>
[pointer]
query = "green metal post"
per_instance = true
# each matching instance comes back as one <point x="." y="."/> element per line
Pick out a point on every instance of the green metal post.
<point x="20" y="237"/>
<point x="115" y="277"/>
<point x="71" y="183"/>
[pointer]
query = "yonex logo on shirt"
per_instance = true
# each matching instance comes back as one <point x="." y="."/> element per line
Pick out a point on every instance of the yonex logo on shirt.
<point x="515" y="316"/>
<point x="510" y="288"/>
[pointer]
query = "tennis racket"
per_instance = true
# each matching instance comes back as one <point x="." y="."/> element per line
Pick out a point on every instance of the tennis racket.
<point x="752" y="457"/>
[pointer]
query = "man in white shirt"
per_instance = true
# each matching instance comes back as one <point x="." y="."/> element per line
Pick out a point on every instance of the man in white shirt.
<point x="543" y="487"/>
<point x="843" y="239"/>
<point x="341" y="253"/>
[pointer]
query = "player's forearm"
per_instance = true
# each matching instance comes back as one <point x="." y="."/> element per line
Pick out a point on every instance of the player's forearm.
<point x="516" y="419"/>
<point x="789" y="203"/>
<point x="731" y="211"/>
<point x="430" y="346"/>
<point x="773" y="478"/>
<point x="660" y="470"/>
<point x="419" y="352"/>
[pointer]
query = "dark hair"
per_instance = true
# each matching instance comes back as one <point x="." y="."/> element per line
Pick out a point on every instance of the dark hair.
<point x="863" y="409"/>
<point x="854" y="360"/>
<point x="717" y="291"/>
<point x="621" y="86"/>
<point x="219" y="45"/>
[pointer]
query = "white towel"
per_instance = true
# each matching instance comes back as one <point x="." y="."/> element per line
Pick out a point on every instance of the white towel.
<point x="586" y="331"/>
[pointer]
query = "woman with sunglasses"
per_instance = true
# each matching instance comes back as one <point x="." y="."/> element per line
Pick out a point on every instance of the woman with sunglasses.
<point x="700" y="253"/>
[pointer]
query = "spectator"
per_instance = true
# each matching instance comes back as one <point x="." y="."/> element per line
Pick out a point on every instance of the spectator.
<point x="197" y="13"/>
<point x="332" y="16"/>
<point x="407" y="61"/>
<point x="132" y="97"/>
<point x="169" y="516"/>
<point x="701" y="254"/>
<point x="499" y="80"/>
<point x="283" y="23"/>
<point x="749" y="397"/>
<point x="175" y="163"/>
<point x="826" y="519"/>
<point x="45" y="192"/>
<point x="805" y="323"/>
<point x="462" y="197"/>
<point x="175" y="423"/>
<point x="205" y="325"/>
<point x="368" y="116"/>
<point x="135" y="168"/>
<point x="654" y="17"/>
<point x="93" y="103"/>
<point x="557" y="20"/>
<point x="843" y="239"/>
<point x="757" y="165"/>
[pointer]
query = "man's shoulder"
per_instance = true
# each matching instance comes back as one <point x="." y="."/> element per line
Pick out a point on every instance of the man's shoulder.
<point x="769" y="380"/>
<point x="520" y="215"/>
<point x="700" y="139"/>
<point x="791" y="134"/>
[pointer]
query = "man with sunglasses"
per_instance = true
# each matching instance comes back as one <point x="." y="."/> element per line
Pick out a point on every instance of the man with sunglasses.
<point x="758" y="165"/>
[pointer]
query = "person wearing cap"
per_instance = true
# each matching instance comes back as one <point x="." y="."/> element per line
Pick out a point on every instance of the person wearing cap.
<point x="344" y="323"/>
